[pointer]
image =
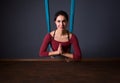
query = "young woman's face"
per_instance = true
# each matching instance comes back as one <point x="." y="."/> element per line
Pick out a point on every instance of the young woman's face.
<point x="61" y="22"/>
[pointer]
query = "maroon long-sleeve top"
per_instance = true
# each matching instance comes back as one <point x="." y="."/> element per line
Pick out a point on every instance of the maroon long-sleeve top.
<point x="65" y="46"/>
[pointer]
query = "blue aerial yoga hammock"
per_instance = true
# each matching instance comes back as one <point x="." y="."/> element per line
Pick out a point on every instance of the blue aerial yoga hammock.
<point x="47" y="12"/>
<point x="72" y="12"/>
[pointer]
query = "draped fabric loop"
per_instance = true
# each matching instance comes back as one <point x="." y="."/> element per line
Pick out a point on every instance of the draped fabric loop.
<point x="72" y="12"/>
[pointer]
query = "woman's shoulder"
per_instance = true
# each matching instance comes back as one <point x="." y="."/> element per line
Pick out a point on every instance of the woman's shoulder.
<point x="48" y="35"/>
<point x="72" y="36"/>
<point x="51" y="33"/>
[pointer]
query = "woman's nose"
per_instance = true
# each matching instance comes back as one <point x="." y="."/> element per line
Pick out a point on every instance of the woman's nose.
<point x="61" y="23"/>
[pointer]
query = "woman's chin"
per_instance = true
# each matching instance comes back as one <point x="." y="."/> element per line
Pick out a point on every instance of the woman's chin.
<point x="62" y="28"/>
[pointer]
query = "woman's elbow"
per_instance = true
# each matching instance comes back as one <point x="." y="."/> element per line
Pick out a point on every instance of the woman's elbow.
<point x="77" y="57"/>
<point x="42" y="53"/>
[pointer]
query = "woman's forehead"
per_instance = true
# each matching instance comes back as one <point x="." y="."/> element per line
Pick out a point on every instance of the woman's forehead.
<point x="61" y="17"/>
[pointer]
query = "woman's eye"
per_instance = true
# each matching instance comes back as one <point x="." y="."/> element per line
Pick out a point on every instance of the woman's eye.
<point x="61" y="21"/>
<point x="58" y="21"/>
<point x="64" y="21"/>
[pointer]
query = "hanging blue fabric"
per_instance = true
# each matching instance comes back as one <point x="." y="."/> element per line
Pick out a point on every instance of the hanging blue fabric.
<point x="72" y="12"/>
<point x="47" y="14"/>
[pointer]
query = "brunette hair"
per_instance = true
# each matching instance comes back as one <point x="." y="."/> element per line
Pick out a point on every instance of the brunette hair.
<point x="61" y="12"/>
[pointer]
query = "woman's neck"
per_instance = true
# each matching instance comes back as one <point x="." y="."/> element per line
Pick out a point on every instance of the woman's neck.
<point x="61" y="32"/>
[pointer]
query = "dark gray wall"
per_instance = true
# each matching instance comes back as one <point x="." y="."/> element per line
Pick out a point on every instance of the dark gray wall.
<point x="23" y="27"/>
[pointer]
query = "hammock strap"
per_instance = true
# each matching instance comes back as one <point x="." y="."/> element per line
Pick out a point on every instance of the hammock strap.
<point x="47" y="12"/>
<point x="72" y="12"/>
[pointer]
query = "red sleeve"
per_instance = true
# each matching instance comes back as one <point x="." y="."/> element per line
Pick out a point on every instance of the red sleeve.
<point x="43" y="49"/>
<point x="77" y="52"/>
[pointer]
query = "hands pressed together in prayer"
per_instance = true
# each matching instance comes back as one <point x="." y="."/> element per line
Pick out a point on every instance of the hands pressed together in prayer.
<point x="59" y="50"/>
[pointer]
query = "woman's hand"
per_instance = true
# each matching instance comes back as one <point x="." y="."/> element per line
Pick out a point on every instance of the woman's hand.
<point x="59" y="50"/>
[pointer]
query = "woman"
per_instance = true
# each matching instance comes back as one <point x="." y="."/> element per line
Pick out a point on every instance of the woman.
<point x="61" y="40"/>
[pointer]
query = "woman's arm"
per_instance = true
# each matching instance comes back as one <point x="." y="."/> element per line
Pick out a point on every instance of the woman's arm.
<point x="69" y="55"/>
<point x="76" y="49"/>
<point x="43" y="49"/>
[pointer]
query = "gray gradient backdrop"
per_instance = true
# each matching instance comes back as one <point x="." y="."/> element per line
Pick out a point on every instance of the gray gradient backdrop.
<point x="23" y="27"/>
